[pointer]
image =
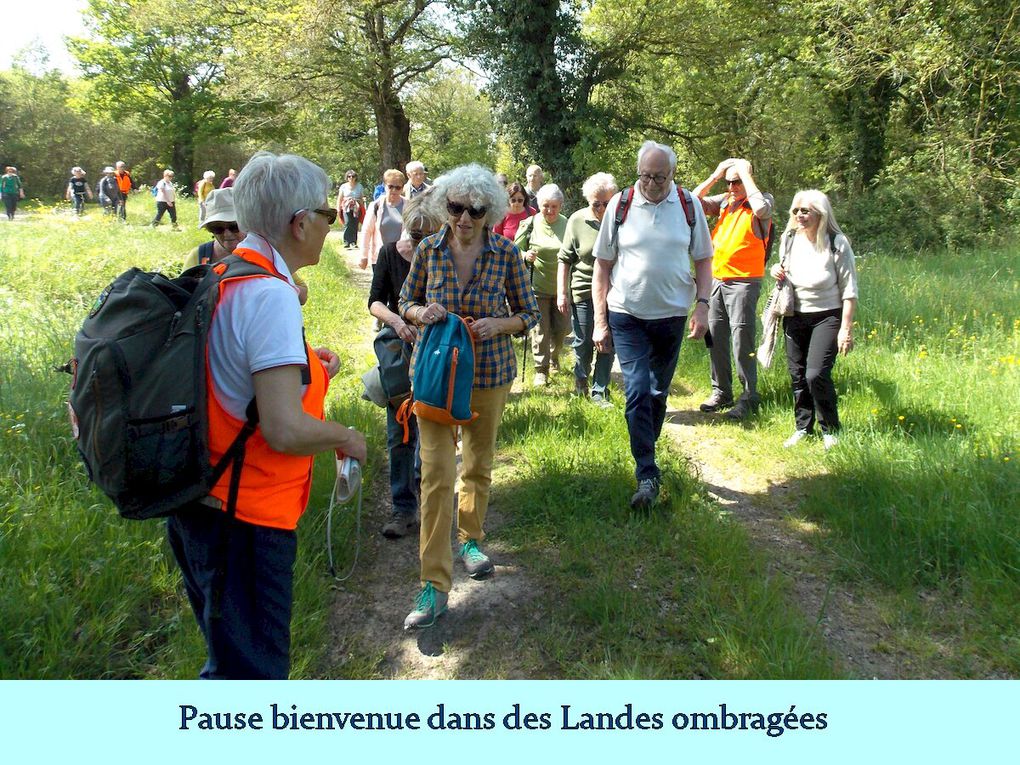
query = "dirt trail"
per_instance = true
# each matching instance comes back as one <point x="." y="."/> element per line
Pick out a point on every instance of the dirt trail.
<point x="848" y="618"/>
<point x="477" y="637"/>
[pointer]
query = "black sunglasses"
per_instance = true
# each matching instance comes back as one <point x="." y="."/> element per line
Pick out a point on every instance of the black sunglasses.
<point x="734" y="182"/>
<point x="799" y="210"/>
<point x="329" y="214"/>
<point x="395" y="188"/>
<point x="456" y="209"/>
<point x="221" y="230"/>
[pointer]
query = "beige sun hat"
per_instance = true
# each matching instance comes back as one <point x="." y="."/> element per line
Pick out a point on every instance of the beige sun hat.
<point x="219" y="207"/>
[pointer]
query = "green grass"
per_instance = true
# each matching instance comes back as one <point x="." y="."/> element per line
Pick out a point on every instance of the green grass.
<point x="922" y="495"/>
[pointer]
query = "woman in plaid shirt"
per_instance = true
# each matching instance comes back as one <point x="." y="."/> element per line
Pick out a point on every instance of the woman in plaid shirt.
<point x="473" y="272"/>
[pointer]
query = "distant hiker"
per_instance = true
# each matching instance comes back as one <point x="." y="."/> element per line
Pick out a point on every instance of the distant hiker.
<point x="819" y="262"/>
<point x="539" y="240"/>
<point x="108" y="191"/>
<point x="350" y="206"/>
<point x="229" y="180"/>
<point x="573" y="286"/>
<point x="257" y="355"/>
<point x="643" y="292"/>
<point x="738" y="265"/>
<point x="11" y="190"/>
<point x="535" y="180"/>
<point x="125" y="183"/>
<point x="166" y="199"/>
<point x="518" y="212"/>
<point x="204" y="188"/>
<point x="469" y="271"/>
<point x="415" y="180"/>
<point x="77" y="190"/>
<point x="383" y="220"/>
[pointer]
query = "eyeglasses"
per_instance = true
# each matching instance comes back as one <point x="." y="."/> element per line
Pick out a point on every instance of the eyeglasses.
<point x="801" y="211"/>
<point x="649" y="178"/>
<point x="352" y="175"/>
<point x="393" y="187"/>
<point x="230" y="228"/>
<point x="329" y="214"/>
<point x="734" y="182"/>
<point x="597" y="205"/>
<point x="517" y="201"/>
<point x="456" y="209"/>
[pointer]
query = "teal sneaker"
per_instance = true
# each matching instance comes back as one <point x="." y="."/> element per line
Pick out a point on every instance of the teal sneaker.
<point x="428" y="606"/>
<point x="476" y="562"/>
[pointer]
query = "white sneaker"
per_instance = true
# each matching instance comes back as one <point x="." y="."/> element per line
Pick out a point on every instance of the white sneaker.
<point x="540" y="379"/>
<point x="829" y="440"/>
<point x="796" y="438"/>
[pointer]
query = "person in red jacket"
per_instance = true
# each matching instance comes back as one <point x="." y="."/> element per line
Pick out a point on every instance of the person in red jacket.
<point x="258" y="357"/>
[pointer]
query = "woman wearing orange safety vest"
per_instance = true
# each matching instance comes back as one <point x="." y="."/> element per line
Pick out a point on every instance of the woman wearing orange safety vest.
<point x="257" y="355"/>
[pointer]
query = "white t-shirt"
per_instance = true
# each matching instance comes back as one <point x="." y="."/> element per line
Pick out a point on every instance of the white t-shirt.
<point x="652" y="276"/>
<point x="821" y="280"/>
<point x="257" y="326"/>
<point x="165" y="191"/>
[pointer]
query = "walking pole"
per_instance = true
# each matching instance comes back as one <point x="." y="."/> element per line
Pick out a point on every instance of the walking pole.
<point x="524" y="359"/>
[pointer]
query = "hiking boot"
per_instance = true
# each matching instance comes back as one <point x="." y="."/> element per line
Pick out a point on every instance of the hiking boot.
<point x="400" y="525"/>
<point x="476" y="563"/>
<point x="796" y="438"/>
<point x="647" y="494"/>
<point x="829" y="440"/>
<point x="540" y="379"/>
<point x="428" y="606"/>
<point x="742" y="410"/>
<point x="716" y="401"/>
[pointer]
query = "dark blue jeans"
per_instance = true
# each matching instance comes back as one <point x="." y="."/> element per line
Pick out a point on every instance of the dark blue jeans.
<point x="405" y="463"/>
<point x="250" y="638"/>
<point x="583" y="314"/>
<point x="647" y="350"/>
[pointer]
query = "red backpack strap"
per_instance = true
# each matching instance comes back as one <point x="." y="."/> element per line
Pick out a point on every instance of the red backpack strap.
<point x="688" y="204"/>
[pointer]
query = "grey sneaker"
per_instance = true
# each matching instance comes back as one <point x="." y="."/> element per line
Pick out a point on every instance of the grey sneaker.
<point x="476" y="562"/>
<point x="400" y="525"/>
<point x="428" y="606"/>
<point x="540" y="379"/>
<point x="601" y="400"/>
<point x="742" y="410"/>
<point x="796" y="438"/>
<point x="715" y="402"/>
<point x="647" y="494"/>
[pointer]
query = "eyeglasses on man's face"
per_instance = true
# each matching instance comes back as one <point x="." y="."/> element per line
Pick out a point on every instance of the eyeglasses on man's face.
<point x="457" y="209"/>
<point x="328" y="213"/>
<point x="734" y="182"/>
<point x="656" y="179"/>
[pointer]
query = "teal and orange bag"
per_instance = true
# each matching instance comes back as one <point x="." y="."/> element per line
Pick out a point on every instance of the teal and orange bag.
<point x="444" y="374"/>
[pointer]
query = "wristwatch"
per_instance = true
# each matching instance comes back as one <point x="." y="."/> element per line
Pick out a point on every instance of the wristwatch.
<point x="703" y="300"/>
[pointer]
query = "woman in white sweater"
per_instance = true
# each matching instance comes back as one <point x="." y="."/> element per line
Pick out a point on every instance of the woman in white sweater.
<point x="818" y="261"/>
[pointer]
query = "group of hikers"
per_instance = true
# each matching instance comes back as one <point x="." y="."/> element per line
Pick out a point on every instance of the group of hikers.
<point x="631" y="273"/>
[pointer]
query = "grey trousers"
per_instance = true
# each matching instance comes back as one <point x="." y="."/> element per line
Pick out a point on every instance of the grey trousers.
<point x="731" y="320"/>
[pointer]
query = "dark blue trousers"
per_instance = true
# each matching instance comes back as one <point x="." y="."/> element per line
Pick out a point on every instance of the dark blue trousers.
<point x="250" y="638"/>
<point x="647" y="350"/>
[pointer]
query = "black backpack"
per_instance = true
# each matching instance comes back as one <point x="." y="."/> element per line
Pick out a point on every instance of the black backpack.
<point x="138" y="390"/>
<point x="394" y="365"/>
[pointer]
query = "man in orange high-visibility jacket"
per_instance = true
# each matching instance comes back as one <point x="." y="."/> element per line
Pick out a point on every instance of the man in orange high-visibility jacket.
<point x="738" y="265"/>
<point x="239" y="571"/>
<point x="125" y="183"/>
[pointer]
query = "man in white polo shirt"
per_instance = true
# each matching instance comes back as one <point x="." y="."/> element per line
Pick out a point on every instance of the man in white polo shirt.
<point x="643" y="290"/>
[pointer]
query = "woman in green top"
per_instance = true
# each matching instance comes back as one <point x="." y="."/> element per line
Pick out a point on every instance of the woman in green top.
<point x="576" y="255"/>
<point x="10" y="190"/>
<point x="539" y="239"/>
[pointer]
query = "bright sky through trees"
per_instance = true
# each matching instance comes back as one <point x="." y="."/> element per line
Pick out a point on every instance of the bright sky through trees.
<point x="46" y="22"/>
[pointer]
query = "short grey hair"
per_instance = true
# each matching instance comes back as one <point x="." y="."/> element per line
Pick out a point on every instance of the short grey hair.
<point x="414" y="165"/>
<point x="419" y="212"/>
<point x="549" y="193"/>
<point x="475" y="184"/>
<point x="597" y="184"/>
<point x="648" y="146"/>
<point x="271" y="188"/>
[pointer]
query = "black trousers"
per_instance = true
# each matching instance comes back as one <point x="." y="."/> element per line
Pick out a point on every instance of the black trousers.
<point x="162" y="207"/>
<point x="249" y="639"/>
<point x="10" y="204"/>
<point x="810" y="356"/>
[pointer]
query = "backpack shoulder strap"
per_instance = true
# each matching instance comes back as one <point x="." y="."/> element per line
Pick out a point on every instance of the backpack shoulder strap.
<point x="622" y="208"/>
<point x="205" y="252"/>
<point x="688" y="204"/>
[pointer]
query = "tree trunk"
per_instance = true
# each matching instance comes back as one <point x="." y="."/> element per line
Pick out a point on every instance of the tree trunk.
<point x="393" y="130"/>
<point x="183" y="124"/>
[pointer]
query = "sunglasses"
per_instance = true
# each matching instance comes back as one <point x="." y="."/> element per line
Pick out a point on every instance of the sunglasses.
<point x="352" y="175"/>
<point x="596" y="205"/>
<point x="393" y="187"/>
<point x="456" y="209"/>
<point x="221" y="230"/>
<point x="416" y="236"/>
<point x="517" y="201"/>
<point x="329" y="214"/>
<point x="734" y="182"/>
<point x="800" y="210"/>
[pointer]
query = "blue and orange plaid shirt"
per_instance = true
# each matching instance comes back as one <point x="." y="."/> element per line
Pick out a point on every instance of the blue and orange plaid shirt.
<point x="499" y="288"/>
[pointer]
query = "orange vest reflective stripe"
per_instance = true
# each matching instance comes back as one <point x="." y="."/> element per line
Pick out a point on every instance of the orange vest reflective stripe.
<point x="739" y="254"/>
<point x="274" y="487"/>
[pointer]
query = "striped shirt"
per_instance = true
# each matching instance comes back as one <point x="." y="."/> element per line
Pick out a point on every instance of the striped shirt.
<point x="498" y="288"/>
